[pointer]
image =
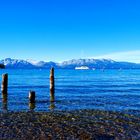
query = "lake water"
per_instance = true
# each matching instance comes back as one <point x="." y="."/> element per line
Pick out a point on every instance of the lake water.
<point x="75" y="89"/>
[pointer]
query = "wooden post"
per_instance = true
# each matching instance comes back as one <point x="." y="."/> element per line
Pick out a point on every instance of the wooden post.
<point x="52" y="88"/>
<point x="32" y="96"/>
<point x="4" y="85"/>
<point x="4" y="98"/>
<point x="4" y="90"/>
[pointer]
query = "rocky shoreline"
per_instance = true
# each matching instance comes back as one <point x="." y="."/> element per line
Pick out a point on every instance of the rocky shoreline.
<point x="79" y="125"/>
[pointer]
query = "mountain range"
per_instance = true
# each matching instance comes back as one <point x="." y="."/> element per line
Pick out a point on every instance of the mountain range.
<point x="71" y="64"/>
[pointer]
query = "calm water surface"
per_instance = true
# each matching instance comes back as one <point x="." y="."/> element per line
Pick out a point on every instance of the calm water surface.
<point x="75" y="89"/>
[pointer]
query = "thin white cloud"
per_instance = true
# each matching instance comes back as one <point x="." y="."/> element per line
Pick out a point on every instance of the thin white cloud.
<point x="129" y="56"/>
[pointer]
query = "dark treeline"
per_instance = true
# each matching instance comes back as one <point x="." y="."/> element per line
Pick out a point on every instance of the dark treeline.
<point x="2" y="66"/>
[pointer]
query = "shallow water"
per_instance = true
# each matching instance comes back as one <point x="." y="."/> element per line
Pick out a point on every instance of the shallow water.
<point x="75" y="89"/>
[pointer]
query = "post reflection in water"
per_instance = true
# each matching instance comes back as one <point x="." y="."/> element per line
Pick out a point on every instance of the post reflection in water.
<point x="32" y="106"/>
<point x="4" y="102"/>
<point x="52" y="106"/>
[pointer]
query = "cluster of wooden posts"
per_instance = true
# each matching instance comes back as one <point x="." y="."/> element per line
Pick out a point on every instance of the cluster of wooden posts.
<point x="4" y="88"/>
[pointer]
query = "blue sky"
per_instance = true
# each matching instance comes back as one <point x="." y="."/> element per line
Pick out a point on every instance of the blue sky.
<point x="60" y="30"/>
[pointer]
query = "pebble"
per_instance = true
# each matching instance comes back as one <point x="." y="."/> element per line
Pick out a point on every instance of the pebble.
<point x="74" y="125"/>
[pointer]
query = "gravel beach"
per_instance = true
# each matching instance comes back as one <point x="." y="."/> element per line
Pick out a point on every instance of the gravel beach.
<point x="72" y="125"/>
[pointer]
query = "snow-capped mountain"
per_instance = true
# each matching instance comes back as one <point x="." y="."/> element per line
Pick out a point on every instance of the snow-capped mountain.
<point x="71" y="64"/>
<point x="96" y="63"/>
<point x="33" y="62"/>
<point x="43" y="64"/>
<point x="16" y="63"/>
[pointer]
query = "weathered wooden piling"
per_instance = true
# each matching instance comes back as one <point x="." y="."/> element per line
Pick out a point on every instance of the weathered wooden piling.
<point x="32" y="96"/>
<point x="4" y="85"/>
<point x="52" y="85"/>
<point x="4" y="98"/>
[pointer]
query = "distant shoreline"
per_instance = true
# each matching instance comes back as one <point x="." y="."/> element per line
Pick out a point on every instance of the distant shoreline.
<point x="70" y="69"/>
<point x="71" y="64"/>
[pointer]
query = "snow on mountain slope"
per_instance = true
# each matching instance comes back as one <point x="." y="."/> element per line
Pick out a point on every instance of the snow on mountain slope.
<point x="71" y="64"/>
<point x="16" y="63"/>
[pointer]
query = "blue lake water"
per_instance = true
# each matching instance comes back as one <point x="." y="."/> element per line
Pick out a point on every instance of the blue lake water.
<point x="75" y="89"/>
